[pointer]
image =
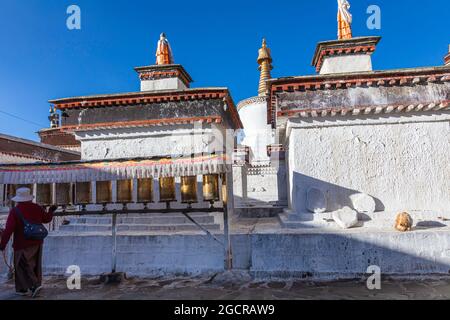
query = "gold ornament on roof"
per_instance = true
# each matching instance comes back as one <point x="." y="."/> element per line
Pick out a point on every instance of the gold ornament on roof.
<point x="163" y="51"/>
<point x="265" y="66"/>
<point x="344" y="20"/>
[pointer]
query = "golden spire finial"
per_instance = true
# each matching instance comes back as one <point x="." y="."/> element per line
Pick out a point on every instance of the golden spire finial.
<point x="163" y="51"/>
<point x="265" y="66"/>
<point x="344" y="20"/>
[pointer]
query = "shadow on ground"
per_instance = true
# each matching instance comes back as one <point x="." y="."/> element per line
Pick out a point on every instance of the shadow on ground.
<point x="208" y="288"/>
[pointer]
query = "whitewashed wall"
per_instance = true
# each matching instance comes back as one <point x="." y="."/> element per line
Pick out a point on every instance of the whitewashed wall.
<point x="162" y="84"/>
<point x="346" y="64"/>
<point x="404" y="162"/>
<point x="149" y="141"/>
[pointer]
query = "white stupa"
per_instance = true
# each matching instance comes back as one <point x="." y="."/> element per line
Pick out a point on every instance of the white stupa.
<point x="258" y="134"/>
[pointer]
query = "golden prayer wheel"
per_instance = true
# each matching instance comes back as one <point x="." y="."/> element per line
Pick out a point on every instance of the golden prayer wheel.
<point x="104" y="192"/>
<point x="224" y="188"/>
<point x="124" y="191"/>
<point x="189" y="189"/>
<point x="167" y="189"/>
<point x="211" y="187"/>
<point x="145" y="190"/>
<point x="83" y="193"/>
<point x="63" y="191"/>
<point x="44" y="194"/>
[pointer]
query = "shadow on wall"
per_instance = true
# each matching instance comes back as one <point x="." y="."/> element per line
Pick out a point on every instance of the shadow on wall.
<point x="335" y="256"/>
<point x="313" y="256"/>
<point x="265" y="193"/>
<point x="337" y="196"/>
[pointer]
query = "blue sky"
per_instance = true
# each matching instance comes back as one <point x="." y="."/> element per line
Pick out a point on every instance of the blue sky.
<point x="216" y="41"/>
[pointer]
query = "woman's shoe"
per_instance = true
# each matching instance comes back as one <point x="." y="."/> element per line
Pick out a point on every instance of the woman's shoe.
<point x="22" y="293"/>
<point x="35" y="291"/>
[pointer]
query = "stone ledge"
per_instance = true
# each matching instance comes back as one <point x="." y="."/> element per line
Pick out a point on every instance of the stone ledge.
<point x="376" y="221"/>
<point x="312" y="255"/>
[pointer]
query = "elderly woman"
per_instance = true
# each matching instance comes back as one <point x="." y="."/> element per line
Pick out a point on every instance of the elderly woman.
<point x="27" y="253"/>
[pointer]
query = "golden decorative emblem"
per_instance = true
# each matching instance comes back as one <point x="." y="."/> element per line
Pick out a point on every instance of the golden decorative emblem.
<point x="265" y="66"/>
<point x="344" y="20"/>
<point x="163" y="51"/>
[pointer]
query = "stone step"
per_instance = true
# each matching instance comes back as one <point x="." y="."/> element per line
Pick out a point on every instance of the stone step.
<point x="136" y="227"/>
<point x="287" y="222"/>
<point x="180" y="219"/>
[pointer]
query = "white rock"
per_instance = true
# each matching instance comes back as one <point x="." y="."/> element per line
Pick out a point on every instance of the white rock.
<point x="345" y="217"/>
<point x="363" y="203"/>
<point x="316" y="201"/>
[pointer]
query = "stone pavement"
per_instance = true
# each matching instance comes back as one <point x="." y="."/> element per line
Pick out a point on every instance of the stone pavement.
<point x="184" y="288"/>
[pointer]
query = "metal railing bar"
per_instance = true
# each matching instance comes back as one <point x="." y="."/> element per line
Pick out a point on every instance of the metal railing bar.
<point x="203" y="228"/>
<point x="147" y="211"/>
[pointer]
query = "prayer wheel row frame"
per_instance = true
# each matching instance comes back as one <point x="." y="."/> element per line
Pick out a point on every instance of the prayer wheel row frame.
<point x="80" y="193"/>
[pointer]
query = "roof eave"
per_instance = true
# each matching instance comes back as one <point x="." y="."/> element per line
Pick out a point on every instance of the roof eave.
<point x="135" y="94"/>
<point x="356" y="74"/>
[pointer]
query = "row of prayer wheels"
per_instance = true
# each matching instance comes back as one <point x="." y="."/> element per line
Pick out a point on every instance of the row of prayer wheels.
<point x="80" y="193"/>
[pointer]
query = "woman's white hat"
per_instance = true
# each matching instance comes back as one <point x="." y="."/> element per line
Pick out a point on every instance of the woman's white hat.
<point x="23" y="195"/>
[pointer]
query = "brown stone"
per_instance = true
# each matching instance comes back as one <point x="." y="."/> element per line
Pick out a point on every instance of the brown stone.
<point x="403" y="222"/>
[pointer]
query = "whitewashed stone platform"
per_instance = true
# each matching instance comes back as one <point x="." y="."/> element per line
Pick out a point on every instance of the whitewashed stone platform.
<point x="265" y="249"/>
<point x="347" y="254"/>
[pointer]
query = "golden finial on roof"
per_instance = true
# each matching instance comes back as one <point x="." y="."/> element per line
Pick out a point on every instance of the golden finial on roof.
<point x="163" y="51"/>
<point x="344" y="20"/>
<point x="265" y="66"/>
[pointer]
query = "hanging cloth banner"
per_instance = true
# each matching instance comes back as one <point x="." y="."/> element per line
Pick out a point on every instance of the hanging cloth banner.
<point x="107" y="170"/>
